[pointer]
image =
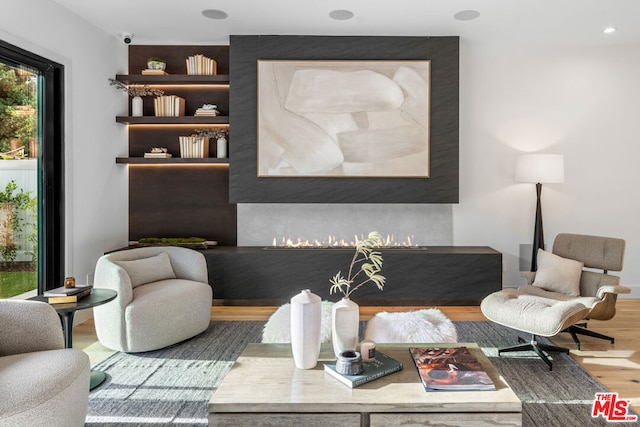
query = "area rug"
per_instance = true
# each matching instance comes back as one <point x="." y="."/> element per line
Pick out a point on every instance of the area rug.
<point x="173" y="386"/>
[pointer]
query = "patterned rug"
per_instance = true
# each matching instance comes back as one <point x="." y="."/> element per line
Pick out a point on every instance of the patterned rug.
<point x="173" y="385"/>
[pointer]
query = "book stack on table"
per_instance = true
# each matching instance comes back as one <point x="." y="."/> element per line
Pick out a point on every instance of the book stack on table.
<point x="379" y="367"/>
<point x="66" y="295"/>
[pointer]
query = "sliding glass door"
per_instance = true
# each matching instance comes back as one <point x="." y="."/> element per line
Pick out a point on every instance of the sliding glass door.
<point x="31" y="172"/>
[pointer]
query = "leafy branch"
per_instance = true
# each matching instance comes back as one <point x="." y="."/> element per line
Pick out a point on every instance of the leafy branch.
<point x="136" y="90"/>
<point x="367" y="261"/>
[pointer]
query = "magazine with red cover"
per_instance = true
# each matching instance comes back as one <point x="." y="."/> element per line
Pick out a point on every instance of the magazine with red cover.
<point x="450" y="369"/>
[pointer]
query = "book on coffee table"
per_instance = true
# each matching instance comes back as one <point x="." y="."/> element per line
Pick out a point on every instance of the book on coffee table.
<point x="381" y="366"/>
<point x="450" y="369"/>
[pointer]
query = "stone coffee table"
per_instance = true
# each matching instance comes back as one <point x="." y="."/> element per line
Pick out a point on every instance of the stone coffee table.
<point x="264" y="388"/>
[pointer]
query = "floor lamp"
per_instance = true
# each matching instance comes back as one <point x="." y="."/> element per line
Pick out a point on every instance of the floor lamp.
<point x="539" y="169"/>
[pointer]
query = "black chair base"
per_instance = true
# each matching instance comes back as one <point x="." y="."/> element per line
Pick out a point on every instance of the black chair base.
<point x="535" y="346"/>
<point x="581" y="328"/>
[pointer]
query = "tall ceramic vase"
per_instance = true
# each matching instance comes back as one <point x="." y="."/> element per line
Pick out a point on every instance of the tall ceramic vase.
<point x="306" y="321"/>
<point x="345" y="318"/>
<point x="136" y="106"/>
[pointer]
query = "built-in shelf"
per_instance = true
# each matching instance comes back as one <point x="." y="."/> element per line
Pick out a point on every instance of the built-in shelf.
<point x="173" y="79"/>
<point x="181" y="120"/>
<point x="172" y="160"/>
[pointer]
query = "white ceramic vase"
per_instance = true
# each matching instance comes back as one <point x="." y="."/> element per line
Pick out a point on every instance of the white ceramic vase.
<point x="345" y="323"/>
<point x="221" y="148"/>
<point x="306" y="321"/>
<point x="136" y="106"/>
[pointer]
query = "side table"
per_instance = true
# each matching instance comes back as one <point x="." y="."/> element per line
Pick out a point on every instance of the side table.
<point x="66" y="311"/>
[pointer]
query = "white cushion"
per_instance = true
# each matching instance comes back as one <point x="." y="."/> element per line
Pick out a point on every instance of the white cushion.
<point x="148" y="270"/>
<point x="558" y="274"/>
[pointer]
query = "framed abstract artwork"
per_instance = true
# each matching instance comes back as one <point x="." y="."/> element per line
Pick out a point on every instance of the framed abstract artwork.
<point x="343" y="118"/>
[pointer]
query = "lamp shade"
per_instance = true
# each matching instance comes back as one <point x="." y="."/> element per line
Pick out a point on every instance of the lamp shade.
<point x="542" y="168"/>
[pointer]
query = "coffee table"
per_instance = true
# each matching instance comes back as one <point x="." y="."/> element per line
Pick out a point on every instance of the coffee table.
<point x="264" y="388"/>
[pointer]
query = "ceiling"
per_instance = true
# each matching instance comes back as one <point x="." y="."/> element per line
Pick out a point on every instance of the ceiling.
<point x="572" y="22"/>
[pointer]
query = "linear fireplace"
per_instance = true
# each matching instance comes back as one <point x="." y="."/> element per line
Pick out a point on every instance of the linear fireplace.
<point x="432" y="275"/>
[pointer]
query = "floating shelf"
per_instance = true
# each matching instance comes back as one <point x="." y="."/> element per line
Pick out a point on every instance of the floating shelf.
<point x="181" y="120"/>
<point x="173" y="79"/>
<point x="172" y="160"/>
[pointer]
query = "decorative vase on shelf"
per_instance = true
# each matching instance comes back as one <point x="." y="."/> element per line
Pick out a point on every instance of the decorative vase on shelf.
<point x="345" y="325"/>
<point x="136" y="106"/>
<point x="221" y="148"/>
<point x="306" y="322"/>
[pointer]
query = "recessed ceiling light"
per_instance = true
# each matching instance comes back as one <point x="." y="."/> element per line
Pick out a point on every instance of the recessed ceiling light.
<point x="609" y="30"/>
<point x="215" y="14"/>
<point x="466" y="15"/>
<point x="341" y="14"/>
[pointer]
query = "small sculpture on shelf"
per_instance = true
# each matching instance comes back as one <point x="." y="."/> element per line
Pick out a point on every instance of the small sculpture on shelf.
<point x="155" y="63"/>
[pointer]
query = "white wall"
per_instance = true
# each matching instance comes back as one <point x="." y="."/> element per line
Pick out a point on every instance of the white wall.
<point x="580" y="102"/>
<point x="96" y="188"/>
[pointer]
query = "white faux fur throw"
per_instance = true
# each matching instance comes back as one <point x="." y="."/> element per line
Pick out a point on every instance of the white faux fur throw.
<point x="278" y="327"/>
<point x="418" y="326"/>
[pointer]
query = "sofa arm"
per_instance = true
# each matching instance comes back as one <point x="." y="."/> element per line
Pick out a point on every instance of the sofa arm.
<point x="188" y="264"/>
<point x="28" y="326"/>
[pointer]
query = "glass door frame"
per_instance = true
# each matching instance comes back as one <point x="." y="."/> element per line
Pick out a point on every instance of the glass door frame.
<point x="51" y="164"/>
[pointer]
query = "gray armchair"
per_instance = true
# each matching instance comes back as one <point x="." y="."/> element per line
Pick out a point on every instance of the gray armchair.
<point x="41" y="382"/>
<point x="562" y="295"/>
<point x="163" y="298"/>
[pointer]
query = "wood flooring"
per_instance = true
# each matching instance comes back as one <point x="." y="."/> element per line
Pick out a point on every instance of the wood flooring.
<point x="616" y="366"/>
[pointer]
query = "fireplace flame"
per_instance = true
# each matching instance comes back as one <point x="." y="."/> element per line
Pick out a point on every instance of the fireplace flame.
<point x="333" y="242"/>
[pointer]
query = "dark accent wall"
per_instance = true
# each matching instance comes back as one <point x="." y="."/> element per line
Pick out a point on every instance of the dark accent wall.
<point x="441" y="187"/>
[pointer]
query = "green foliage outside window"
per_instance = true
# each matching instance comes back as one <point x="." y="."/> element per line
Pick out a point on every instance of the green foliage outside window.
<point x="12" y="224"/>
<point x="18" y="103"/>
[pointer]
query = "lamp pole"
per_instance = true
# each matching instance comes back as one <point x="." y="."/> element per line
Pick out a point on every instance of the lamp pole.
<point x="538" y="234"/>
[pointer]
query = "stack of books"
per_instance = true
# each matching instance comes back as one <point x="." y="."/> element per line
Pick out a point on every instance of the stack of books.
<point x="65" y="295"/>
<point x="450" y="369"/>
<point x="149" y="72"/>
<point x="201" y="65"/>
<point x="157" y="155"/>
<point x="207" y="110"/>
<point x="169" y="106"/>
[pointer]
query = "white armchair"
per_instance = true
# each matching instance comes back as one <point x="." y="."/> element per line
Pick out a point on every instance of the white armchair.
<point x="41" y="382"/>
<point x="163" y="298"/>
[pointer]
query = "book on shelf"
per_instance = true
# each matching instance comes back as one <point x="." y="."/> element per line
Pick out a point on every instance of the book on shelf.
<point x="203" y="112"/>
<point x="379" y="367"/>
<point x="201" y="65"/>
<point x="149" y="72"/>
<point x="169" y="106"/>
<point x="450" y="369"/>
<point x="157" y="155"/>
